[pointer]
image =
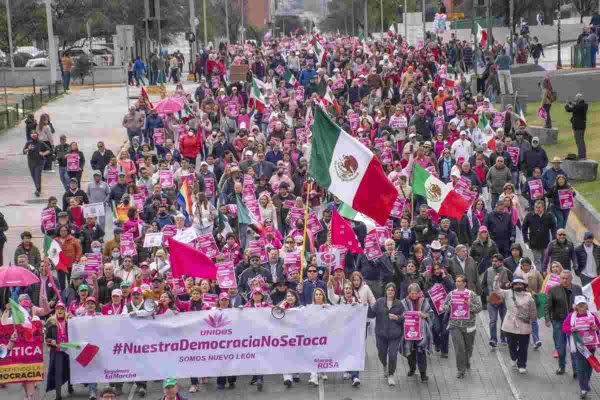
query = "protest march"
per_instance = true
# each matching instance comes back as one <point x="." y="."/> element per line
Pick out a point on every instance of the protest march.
<point x="271" y="223"/>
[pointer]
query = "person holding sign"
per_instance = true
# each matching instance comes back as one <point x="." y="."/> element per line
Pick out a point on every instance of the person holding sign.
<point x="437" y="285"/>
<point x="75" y="162"/>
<point x="561" y="195"/>
<point x="388" y="330"/>
<point x="462" y="325"/>
<point x="582" y="327"/>
<point x="416" y="342"/>
<point x="520" y="312"/>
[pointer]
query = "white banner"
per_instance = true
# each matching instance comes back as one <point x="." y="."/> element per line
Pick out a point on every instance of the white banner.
<point x="93" y="210"/>
<point x="236" y="341"/>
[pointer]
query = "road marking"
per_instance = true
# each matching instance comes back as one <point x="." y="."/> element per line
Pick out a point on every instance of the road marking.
<point x="505" y="372"/>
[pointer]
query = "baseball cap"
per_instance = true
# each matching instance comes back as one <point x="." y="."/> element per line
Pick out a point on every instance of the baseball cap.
<point x="90" y="299"/>
<point x="117" y="292"/>
<point x="83" y="286"/>
<point x="125" y="284"/>
<point x="169" y="382"/>
<point x="579" y="300"/>
<point x="338" y="267"/>
<point x="223" y="295"/>
<point x="588" y="235"/>
<point x="96" y="172"/>
<point x="136" y="290"/>
<point x="483" y="228"/>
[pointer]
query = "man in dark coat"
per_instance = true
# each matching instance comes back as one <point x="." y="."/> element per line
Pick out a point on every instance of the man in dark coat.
<point x="579" y="110"/>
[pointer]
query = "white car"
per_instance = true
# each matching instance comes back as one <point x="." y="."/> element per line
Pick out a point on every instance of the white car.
<point x="38" y="62"/>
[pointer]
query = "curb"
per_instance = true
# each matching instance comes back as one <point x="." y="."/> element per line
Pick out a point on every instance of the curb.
<point x="587" y="215"/>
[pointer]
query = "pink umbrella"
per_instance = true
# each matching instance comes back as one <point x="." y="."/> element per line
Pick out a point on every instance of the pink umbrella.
<point x="16" y="276"/>
<point x="170" y="105"/>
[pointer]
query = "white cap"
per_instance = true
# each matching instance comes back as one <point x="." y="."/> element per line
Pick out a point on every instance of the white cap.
<point x="579" y="300"/>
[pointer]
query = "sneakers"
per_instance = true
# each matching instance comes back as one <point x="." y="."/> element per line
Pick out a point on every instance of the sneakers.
<point x="253" y="380"/>
<point x="346" y="376"/>
<point x="537" y="345"/>
<point x="513" y="364"/>
<point x="392" y="381"/>
<point x="583" y="394"/>
<point x="560" y="371"/>
<point x="287" y="383"/>
<point x="493" y="344"/>
<point x="410" y="372"/>
<point x="555" y="355"/>
<point x="522" y="371"/>
<point x="313" y="380"/>
<point x="193" y="389"/>
<point x="355" y="382"/>
<point x="259" y="384"/>
<point x="460" y="375"/>
<point x="424" y="377"/>
<point x="141" y="392"/>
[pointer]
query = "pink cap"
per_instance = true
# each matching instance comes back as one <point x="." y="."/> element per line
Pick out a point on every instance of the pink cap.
<point x="483" y="228"/>
<point x="223" y="295"/>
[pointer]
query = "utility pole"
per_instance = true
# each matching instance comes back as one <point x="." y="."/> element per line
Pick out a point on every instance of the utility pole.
<point x="558" y="56"/>
<point x="52" y="54"/>
<point x="424" y="21"/>
<point x="381" y="9"/>
<point x="511" y="9"/>
<point x="366" y="12"/>
<point x="243" y="27"/>
<point x="157" y="14"/>
<point x="192" y="30"/>
<point x="353" y="18"/>
<point x="146" y="22"/>
<point x="204" y="24"/>
<point x="10" y="38"/>
<point x="488" y="18"/>
<point x="405" y="21"/>
<point x="227" y="20"/>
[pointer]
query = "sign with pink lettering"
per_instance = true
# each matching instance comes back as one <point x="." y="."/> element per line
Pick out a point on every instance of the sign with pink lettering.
<point x="209" y="186"/>
<point x="226" y="275"/>
<point x="295" y="214"/>
<point x="208" y="245"/>
<point x="72" y="162"/>
<point x="437" y="293"/>
<point x="551" y="281"/>
<point x="258" y="247"/>
<point x="300" y="93"/>
<point x="313" y="223"/>
<point x="372" y="247"/>
<point x="138" y="200"/>
<point x="514" y="154"/>
<point x="215" y="81"/>
<point x="354" y="118"/>
<point x="49" y="219"/>
<point x="536" y="189"/>
<point x="498" y="121"/>
<point x="450" y="108"/>
<point x="459" y="309"/>
<point x="159" y="136"/>
<point x="127" y="244"/>
<point x="165" y="178"/>
<point x="210" y="299"/>
<point x="232" y="108"/>
<point x="565" y="196"/>
<point x="397" y="207"/>
<point x="168" y="232"/>
<point x="412" y="326"/>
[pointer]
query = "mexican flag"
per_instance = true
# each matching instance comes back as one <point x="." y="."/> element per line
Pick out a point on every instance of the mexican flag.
<point x="348" y="212"/>
<point x="483" y="122"/>
<point x="145" y="96"/>
<point x="20" y="316"/>
<point x="82" y="352"/>
<point x="584" y="351"/>
<point x="245" y="216"/>
<point x="290" y="79"/>
<point x="592" y="292"/>
<point x="257" y="99"/>
<point x="320" y="52"/>
<point x="350" y="171"/>
<point x="480" y="36"/>
<point x="391" y="30"/>
<point x="329" y="100"/>
<point x="52" y="249"/>
<point x="440" y="196"/>
<point x="519" y="112"/>
<point x="342" y="233"/>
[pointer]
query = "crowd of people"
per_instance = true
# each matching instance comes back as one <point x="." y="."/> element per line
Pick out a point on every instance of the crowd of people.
<point x="250" y="141"/>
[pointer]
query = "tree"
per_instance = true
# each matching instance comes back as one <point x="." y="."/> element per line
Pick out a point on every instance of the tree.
<point x="584" y="7"/>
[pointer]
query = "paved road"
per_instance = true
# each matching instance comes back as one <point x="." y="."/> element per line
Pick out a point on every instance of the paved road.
<point x="87" y="117"/>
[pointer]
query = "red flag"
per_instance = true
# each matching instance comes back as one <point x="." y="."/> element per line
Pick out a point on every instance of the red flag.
<point x="145" y="96"/>
<point x="87" y="354"/>
<point x="63" y="262"/>
<point x="342" y="233"/>
<point x="186" y="260"/>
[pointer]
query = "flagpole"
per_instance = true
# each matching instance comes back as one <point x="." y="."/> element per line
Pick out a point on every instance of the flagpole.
<point x="303" y="254"/>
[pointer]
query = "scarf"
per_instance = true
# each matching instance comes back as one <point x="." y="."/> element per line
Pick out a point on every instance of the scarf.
<point x="572" y="345"/>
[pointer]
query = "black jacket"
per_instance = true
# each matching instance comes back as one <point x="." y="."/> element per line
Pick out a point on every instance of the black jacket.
<point x="581" y="257"/>
<point x="559" y="303"/>
<point x="579" y="117"/>
<point x="564" y="253"/>
<point x="99" y="161"/>
<point x="539" y="230"/>
<point x="78" y="193"/>
<point x="384" y="326"/>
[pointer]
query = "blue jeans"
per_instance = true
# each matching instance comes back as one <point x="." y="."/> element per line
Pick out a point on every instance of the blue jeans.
<point x="66" y="80"/>
<point x="36" y="175"/>
<point x="561" y="217"/>
<point x="560" y="343"/>
<point x="535" y="331"/>
<point x="440" y="333"/>
<point x="64" y="177"/>
<point x="584" y="371"/>
<point x="495" y="310"/>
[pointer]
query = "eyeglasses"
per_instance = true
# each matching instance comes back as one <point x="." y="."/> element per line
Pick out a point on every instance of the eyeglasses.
<point x="289" y="242"/>
<point x="312" y="270"/>
<point x="561" y="234"/>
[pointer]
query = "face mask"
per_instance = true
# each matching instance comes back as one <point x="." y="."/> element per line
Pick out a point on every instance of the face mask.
<point x="162" y="214"/>
<point x="462" y="258"/>
<point x="518" y="289"/>
<point x="96" y="250"/>
<point x="116" y="254"/>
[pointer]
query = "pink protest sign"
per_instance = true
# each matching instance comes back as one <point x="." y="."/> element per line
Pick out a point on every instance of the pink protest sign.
<point x="112" y="176"/>
<point x="412" y="326"/>
<point x="498" y="120"/>
<point x="408" y="109"/>
<point x="138" y="200"/>
<point x="92" y="264"/>
<point x="209" y="186"/>
<point x="379" y="143"/>
<point x="450" y="108"/>
<point x="536" y="189"/>
<point x="127" y="245"/>
<point x="586" y="328"/>
<point x="313" y="223"/>
<point x="226" y="275"/>
<point x="565" y="196"/>
<point x="232" y="108"/>
<point x="295" y="214"/>
<point x="215" y="81"/>
<point x="438" y="123"/>
<point x="210" y="299"/>
<point x="208" y="245"/>
<point x="168" y="231"/>
<point x="551" y="281"/>
<point x="177" y="285"/>
<point x="159" y="136"/>
<point x="383" y="233"/>
<point x="72" y="162"/>
<point x="459" y="309"/>
<point x="289" y="204"/>
<point x="386" y="155"/>
<point x="365" y="141"/>
<point x="258" y="247"/>
<point x="254" y="209"/>
<point x="398" y="122"/>
<point x="300" y="93"/>
<point x="49" y="219"/>
<point x="165" y="178"/>
<point x="437" y="293"/>
<point x="354" y="117"/>
<point x="514" y="154"/>
<point x="329" y="259"/>
<point x="397" y="207"/>
<point x="301" y="136"/>
<point x="372" y="247"/>
<point x="292" y="259"/>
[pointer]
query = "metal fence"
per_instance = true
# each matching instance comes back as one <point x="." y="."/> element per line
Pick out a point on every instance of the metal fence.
<point x="28" y="104"/>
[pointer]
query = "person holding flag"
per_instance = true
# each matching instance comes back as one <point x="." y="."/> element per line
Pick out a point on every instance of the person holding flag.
<point x="582" y="327"/>
<point x="59" y="371"/>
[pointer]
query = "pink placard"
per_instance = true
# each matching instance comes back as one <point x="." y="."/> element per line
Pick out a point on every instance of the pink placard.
<point x="226" y="275"/>
<point x="397" y="207"/>
<point x="295" y="214"/>
<point x="328" y="259"/>
<point x="459" y="309"/>
<point x="208" y="245"/>
<point x="565" y="196"/>
<point x="365" y="141"/>
<point x="450" y="108"/>
<point x="289" y="203"/>
<point x="112" y="176"/>
<point x="258" y="247"/>
<point x="551" y="281"/>
<point x="165" y="178"/>
<point x="514" y="154"/>
<point x="586" y="328"/>
<point x="127" y="245"/>
<point x="49" y="219"/>
<point x="159" y="136"/>
<point x="536" y="189"/>
<point x="379" y="143"/>
<point x="354" y="118"/>
<point x="300" y="93"/>
<point x="232" y="108"/>
<point x="372" y="247"/>
<point x="215" y="81"/>
<point x="168" y="231"/>
<point x="210" y="299"/>
<point x="72" y="162"/>
<point x="177" y="285"/>
<point x="438" y="123"/>
<point x="383" y="233"/>
<point x="313" y="223"/>
<point x="437" y="293"/>
<point x="92" y="265"/>
<point x="209" y="186"/>
<point x="386" y="155"/>
<point x="398" y="122"/>
<point x="138" y="201"/>
<point x="292" y="259"/>
<point x="254" y="209"/>
<point x="412" y="326"/>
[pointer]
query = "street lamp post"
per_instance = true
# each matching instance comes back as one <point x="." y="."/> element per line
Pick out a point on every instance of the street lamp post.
<point x="366" y="27"/>
<point x="558" y="56"/>
<point x="381" y="7"/>
<point x="10" y="40"/>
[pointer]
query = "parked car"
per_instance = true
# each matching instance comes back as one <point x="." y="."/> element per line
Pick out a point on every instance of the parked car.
<point x="38" y="62"/>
